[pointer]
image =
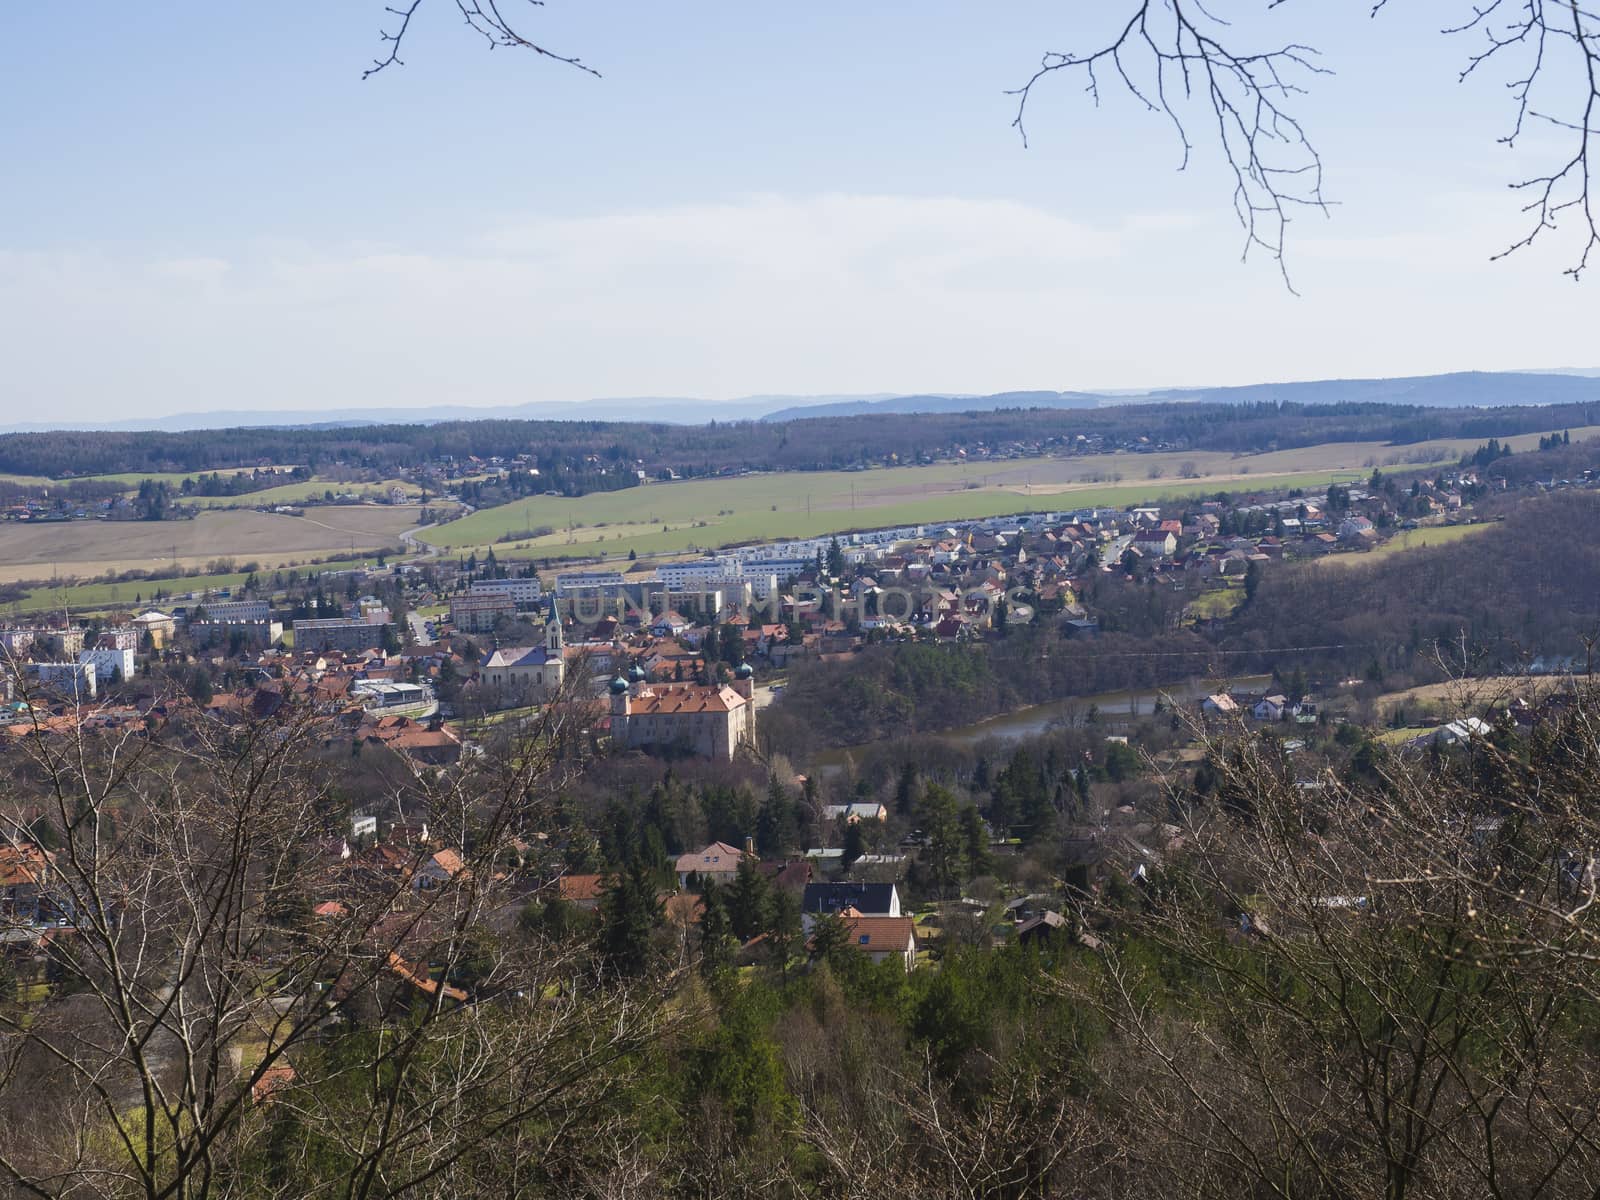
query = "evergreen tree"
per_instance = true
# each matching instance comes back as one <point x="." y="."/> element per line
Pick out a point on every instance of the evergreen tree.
<point x="941" y="826"/>
<point x="830" y="943"/>
<point x="836" y="563"/>
<point x="854" y="843"/>
<point x="749" y="901"/>
<point x="783" y="929"/>
<point x="905" y="793"/>
<point x="716" y="932"/>
<point x="975" y="838"/>
<point x="629" y="914"/>
<point x="775" y="823"/>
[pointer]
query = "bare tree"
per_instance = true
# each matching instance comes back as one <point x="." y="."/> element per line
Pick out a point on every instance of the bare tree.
<point x="1191" y="65"/>
<point x="483" y="17"/>
<point x="206" y="1016"/>
<point x="1382" y="983"/>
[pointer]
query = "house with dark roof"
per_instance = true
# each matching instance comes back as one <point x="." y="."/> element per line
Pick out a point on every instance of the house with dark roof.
<point x="867" y="899"/>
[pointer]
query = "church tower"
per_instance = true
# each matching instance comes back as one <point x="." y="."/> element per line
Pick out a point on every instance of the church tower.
<point x="552" y="628"/>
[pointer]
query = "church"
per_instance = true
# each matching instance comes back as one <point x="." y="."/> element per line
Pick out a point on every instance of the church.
<point x="516" y="673"/>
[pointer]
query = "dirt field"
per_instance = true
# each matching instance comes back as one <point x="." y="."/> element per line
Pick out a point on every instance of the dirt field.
<point x="89" y="548"/>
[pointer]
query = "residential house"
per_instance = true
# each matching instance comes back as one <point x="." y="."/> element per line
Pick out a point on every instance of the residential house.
<point x="580" y="891"/>
<point x="868" y="899"/>
<point x="882" y="938"/>
<point x="1271" y="708"/>
<point x="851" y="813"/>
<point x="718" y="862"/>
<point x="438" y="868"/>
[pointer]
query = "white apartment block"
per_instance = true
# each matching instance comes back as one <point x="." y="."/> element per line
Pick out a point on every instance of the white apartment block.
<point x="72" y="681"/>
<point x="569" y="582"/>
<point x="724" y="572"/>
<point x="477" y="612"/>
<point x="16" y="641"/>
<point x="227" y="611"/>
<point x="521" y="591"/>
<point x="121" y="637"/>
<point x="108" y="664"/>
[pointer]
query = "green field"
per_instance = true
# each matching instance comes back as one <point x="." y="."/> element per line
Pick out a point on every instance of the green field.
<point x="91" y="597"/>
<point x="298" y="493"/>
<point x="1410" y="539"/>
<point x="704" y="514"/>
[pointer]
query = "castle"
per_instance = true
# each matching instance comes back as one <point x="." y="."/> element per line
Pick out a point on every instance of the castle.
<point x="709" y="721"/>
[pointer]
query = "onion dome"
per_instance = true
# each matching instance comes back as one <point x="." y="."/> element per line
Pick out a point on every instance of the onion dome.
<point x="619" y="685"/>
<point x="744" y="671"/>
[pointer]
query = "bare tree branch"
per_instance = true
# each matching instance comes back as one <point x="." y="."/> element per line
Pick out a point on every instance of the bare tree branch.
<point x="483" y="17"/>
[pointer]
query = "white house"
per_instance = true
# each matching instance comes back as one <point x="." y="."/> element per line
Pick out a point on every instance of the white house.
<point x="883" y="938"/>
<point x="1270" y="708"/>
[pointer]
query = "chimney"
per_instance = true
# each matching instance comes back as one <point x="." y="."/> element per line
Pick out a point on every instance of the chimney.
<point x="749" y="846"/>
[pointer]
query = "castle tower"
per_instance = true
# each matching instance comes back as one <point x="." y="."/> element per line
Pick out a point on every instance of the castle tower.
<point x="621" y="707"/>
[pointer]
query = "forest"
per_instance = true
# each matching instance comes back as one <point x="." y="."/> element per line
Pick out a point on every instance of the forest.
<point x="817" y="443"/>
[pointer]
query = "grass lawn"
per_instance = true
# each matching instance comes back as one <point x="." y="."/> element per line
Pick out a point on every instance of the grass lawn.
<point x="1399" y="737"/>
<point x="1217" y="604"/>
<point x="1409" y="539"/>
<point x="497" y="718"/>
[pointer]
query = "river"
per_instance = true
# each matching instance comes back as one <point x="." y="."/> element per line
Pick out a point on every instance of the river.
<point x="1037" y="718"/>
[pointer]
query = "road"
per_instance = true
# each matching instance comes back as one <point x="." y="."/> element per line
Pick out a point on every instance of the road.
<point x="419" y="628"/>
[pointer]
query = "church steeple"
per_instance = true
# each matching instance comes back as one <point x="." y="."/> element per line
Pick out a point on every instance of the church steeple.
<point x="552" y="628"/>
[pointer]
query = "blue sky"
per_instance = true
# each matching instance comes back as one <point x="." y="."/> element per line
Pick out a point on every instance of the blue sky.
<point x="207" y="208"/>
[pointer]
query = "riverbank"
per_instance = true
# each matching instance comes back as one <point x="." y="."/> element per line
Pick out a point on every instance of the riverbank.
<point x="1034" y="719"/>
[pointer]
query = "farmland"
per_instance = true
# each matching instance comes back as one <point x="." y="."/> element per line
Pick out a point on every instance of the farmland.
<point x="84" y="549"/>
<point x="89" y="597"/>
<point x="676" y="517"/>
<point x="299" y="493"/>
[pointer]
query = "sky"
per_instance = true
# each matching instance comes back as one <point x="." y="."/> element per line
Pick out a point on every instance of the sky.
<point x="207" y="208"/>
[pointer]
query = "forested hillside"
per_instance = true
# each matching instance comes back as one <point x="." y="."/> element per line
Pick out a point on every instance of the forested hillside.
<point x="801" y="444"/>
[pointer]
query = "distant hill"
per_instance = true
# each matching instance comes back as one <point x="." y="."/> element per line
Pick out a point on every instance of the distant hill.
<point x="1464" y="389"/>
<point x="674" y="410"/>
<point x="1467" y="389"/>
<point x="955" y="402"/>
